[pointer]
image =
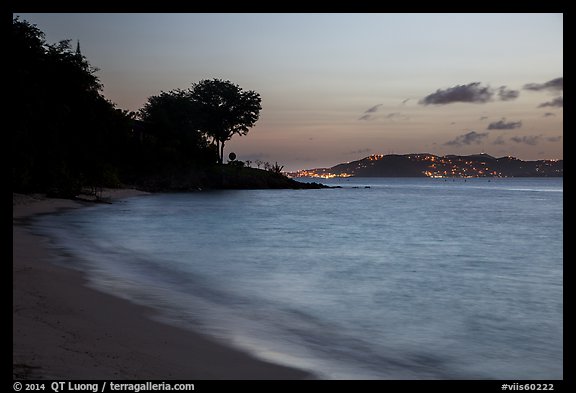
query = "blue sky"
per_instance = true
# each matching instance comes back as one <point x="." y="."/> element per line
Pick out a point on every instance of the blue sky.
<point x="338" y="87"/>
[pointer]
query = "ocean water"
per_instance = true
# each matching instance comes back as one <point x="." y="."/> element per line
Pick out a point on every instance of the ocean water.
<point x="406" y="279"/>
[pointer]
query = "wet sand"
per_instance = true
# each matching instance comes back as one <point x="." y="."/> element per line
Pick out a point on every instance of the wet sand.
<point x="63" y="329"/>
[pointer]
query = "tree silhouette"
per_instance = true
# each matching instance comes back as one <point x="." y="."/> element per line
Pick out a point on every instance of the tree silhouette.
<point x="173" y="128"/>
<point x="65" y="134"/>
<point x="67" y="137"/>
<point x="225" y="109"/>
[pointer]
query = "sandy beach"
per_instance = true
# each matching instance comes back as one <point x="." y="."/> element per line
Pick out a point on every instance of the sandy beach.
<point x="63" y="329"/>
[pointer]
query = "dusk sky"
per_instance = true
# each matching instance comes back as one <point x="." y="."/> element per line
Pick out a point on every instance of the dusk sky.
<point x="339" y="87"/>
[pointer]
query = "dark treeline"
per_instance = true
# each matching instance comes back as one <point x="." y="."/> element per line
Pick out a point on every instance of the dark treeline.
<point x="66" y="136"/>
<point x="65" y="133"/>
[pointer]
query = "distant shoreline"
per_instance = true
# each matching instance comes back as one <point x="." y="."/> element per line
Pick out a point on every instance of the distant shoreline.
<point x="63" y="329"/>
<point x="433" y="166"/>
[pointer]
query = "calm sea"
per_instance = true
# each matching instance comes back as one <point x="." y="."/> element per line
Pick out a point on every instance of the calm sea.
<point x="382" y="278"/>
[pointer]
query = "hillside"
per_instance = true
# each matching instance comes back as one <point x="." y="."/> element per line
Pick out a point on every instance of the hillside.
<point x="215" y="177"/>
<point x="430" y="165"/>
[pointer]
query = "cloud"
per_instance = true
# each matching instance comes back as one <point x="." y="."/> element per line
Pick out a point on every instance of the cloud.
<point x="469" y="138"/>
<point x="367" y="113"/>
<point x="557" y="102"/>
<point x="373" y="109"/>
<point x="527" y="139"/>
<point x="533" y="140"/>
<point x="503" y="125"/>
<point x="472" y="92"/>
<point x="506" y="94"/>
<point x="552" y="85"/>
<point x="557" y="138"/>
<point x="396" y="116"/>
<point x="499" y="141"/>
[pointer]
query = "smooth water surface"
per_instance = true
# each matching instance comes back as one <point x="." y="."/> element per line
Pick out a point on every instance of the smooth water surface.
<point x="406" y="279"/>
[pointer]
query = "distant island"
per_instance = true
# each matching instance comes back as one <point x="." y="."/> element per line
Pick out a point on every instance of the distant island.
<point x="69" y="139"/>
<point x="430" y="165"/>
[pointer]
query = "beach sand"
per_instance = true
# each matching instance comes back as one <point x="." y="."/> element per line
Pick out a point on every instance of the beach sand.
<point x="63" y="329"/>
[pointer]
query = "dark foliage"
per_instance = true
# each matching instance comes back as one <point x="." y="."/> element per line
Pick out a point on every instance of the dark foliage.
<point x="224" y="110"/>
<point x="171" y="134"/>
<point x="66" y="137"/>
<point x="65" y="134"/>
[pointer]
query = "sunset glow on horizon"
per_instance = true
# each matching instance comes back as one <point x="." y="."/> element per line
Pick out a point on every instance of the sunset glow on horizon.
<point x="340" y="87"/>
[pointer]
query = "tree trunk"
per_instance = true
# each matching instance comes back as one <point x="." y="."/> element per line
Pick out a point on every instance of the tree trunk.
<point x="222" y="152"/>
<point x="218" y="150"/>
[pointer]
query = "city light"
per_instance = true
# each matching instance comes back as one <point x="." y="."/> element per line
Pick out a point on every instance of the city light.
<point x="429" y="165"/>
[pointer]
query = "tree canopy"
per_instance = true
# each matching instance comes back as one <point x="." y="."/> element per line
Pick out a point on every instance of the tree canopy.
<point x="64" y="132"/>
<point x="171" y="123"/>
<point x="210" y="110"/>
<point x="67" y="136"/>
<point x="225" y="109"/>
